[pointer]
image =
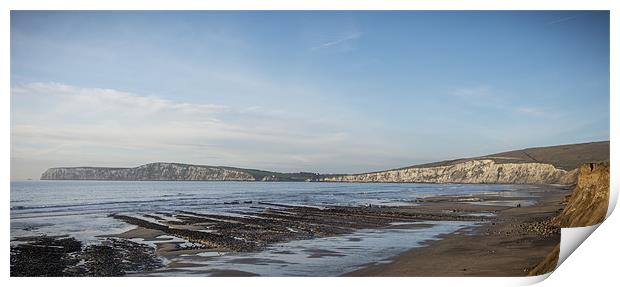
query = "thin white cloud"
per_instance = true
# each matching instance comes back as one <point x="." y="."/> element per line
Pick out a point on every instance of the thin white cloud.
<point x="476" y="92"/>
<point x="342" y="40"/>
<point x="480" y="96"/>
<point x="485" y="96"/>
<point x="98" y="99"/>
<point x="568" y="18"/>
<point x="531" y="111"/>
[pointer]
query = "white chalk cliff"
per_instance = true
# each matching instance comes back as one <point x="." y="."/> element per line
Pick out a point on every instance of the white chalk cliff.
<point x="473" y="171"/>
<point x="152" y="171"/>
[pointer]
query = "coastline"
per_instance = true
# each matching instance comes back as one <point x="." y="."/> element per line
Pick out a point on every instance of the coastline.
<point x="490" y="212"/>
<point x="510" y="245"/>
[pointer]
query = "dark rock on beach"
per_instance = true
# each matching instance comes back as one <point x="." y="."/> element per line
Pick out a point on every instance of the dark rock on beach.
<point x="44" y="256"/>
<point x="58" y="257"/>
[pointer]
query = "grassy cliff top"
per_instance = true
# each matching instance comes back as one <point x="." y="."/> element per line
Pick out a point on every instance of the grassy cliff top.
<point x="567" y="157"/>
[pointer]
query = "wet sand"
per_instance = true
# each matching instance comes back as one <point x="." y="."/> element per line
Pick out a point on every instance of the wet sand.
<point x="511" y="236"/>
<point x="513" y="243"/>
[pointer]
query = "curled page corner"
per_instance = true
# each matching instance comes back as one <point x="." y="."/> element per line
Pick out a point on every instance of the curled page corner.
<point x="571" y="239"/>
<point x="613" y="197"/>
<point x="526" y="280"/>
<point x="537" y="279"/>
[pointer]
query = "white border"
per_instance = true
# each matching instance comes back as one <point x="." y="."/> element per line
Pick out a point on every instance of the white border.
<point x="312" y="5"/>
<point x="593" y="263"/>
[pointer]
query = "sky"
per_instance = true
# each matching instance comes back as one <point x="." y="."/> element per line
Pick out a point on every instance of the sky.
<point x="289" y="91"/>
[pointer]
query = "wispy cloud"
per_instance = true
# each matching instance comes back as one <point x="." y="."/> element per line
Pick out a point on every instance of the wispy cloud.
<point x="568" y="18"/>
<point x="484" y="96"/>
<point x="480" y="96"/>
<point x="342" y="40"/>
<point x="475" y="92"/>
<point x="96" y="98"/>
<point x="532" y="111"/>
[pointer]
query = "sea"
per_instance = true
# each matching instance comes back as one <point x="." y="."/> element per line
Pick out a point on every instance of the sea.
<point x="81" y="208"/>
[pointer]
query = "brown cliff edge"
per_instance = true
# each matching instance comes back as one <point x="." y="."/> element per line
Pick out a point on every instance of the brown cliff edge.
<point x="587" y="205"/>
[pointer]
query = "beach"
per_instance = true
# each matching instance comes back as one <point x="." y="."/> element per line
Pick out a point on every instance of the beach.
<point x="510" y="245"/>
<point x="444" y="230"/>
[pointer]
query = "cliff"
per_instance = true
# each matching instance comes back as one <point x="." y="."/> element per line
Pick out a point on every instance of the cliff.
<point x="152" y="171"/>
<point x="587" y="205"/>
<point x="474" y="171"/>
<point x="566" y="157"/>
<point x="170" y="171"/>
<point x="540" y="165"/>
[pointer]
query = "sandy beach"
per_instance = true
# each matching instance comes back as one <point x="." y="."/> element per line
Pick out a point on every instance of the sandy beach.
<point x="513" y="243"/>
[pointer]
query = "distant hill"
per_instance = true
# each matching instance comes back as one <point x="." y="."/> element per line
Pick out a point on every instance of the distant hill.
<point x="172" y="171"/>
<point x="567" y="157"/>
<point x="554" y="164"/>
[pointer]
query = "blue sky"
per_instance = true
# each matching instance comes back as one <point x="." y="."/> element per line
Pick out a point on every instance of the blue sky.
<point x="291" y="91"/>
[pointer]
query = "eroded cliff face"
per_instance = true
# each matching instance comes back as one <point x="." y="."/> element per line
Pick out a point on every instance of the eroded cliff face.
<point x="589" y="200"/>
<point x="474" y="171"/>
<point x="153" y="171"/>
